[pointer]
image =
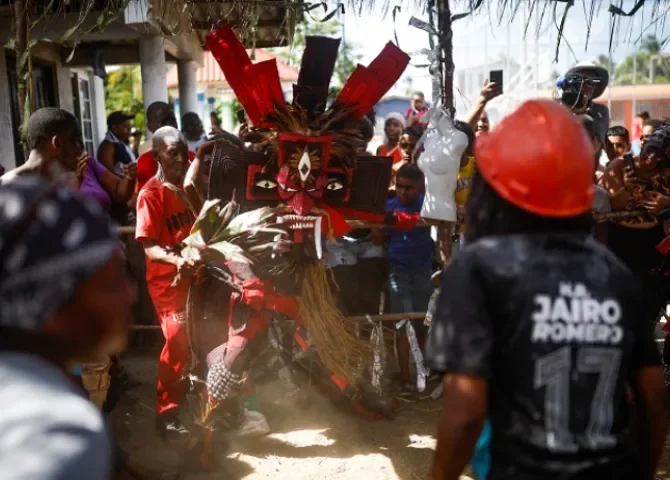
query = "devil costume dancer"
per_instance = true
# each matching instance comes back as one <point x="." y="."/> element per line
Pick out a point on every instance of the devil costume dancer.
<point x="301" y="182"/>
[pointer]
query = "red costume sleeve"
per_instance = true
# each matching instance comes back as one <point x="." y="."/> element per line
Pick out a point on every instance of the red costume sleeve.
<point x="400" y="220"/>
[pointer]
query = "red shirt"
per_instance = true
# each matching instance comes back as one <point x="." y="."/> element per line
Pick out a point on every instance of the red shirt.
<point x="162" y="216"/>
<point x="383" y="151"/>
<point x="147" y="167"/>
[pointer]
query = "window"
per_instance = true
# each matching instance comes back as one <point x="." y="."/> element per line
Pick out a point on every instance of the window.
<point x="74" y="82"/>
<point x="86" y="116"/>
<point x="81" y="100"/>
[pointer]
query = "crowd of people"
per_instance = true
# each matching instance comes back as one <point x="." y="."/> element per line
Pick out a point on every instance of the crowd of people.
<point x="527" y="292"/>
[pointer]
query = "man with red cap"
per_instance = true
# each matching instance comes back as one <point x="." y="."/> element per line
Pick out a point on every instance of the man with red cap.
<point x="538" y="326"/>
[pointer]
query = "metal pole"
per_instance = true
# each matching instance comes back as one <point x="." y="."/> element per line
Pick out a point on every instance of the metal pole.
<point x="447" y="48"/>
<point x="537" y="49"/>
<point x="634" y="85"/>
<point x="436" y="67"/>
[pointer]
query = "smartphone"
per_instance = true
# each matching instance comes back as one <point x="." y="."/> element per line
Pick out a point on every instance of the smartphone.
<point x="496" y="76"/>
<point x="241" y="117"/>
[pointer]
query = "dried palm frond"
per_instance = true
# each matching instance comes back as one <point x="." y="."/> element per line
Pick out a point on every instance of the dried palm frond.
<point x="344" y="354"/>
<point x="334" y="122"/>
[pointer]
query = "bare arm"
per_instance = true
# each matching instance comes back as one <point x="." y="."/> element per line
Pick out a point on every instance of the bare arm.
<point x="652" y="410"/>
<point x="475" y="112"/>
<point x="195" y="190"/>
<point x="157" y="253"/>
<point x="488" y="93"/>
<point x="120" y="189"/>
<point x="192" y="183"/>
<point x="463" y="414"/>
<point x="106" y="155"/>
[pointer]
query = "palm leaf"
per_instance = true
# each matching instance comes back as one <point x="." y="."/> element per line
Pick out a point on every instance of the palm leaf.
<point x="246" y="222"/>
<point x="226" y="250"/>
<point x="208" y="221"/>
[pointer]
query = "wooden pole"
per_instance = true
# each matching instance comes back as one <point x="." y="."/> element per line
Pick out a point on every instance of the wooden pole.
<point x="386" y="317"/>
<point x="357" y="224"/>
<point x="23" y="64"/>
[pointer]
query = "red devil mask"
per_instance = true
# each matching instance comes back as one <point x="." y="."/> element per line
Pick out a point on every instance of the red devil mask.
<point x="303" y="167"/>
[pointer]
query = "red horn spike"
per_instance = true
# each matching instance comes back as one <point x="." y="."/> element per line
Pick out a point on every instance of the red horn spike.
<point x="367" y="85"/>
<point x="266" y="86"/>
<point x="257" y="86"/>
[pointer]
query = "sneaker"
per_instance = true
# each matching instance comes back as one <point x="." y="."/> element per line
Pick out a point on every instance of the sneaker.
<point x="253" y="424"/>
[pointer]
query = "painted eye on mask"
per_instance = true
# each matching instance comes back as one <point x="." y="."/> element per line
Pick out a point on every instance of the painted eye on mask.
<point x="266" y="184"/>
<point x="288" y="189"/>
<point x="334" y="185"/>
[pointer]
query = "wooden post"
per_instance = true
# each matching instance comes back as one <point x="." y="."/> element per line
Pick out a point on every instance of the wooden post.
<point x="23" y="64"/>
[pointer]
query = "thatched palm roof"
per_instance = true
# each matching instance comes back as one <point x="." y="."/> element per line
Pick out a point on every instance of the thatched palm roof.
<point x="254" y="19"/>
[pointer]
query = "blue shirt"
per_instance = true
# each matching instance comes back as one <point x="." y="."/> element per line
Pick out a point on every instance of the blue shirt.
<point x="410" y="251"/>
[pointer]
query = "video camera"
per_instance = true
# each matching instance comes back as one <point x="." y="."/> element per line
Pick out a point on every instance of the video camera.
<point x="570" y="90"/>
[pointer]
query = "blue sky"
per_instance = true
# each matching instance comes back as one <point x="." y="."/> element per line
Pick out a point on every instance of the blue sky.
<point x="482" y="37"/>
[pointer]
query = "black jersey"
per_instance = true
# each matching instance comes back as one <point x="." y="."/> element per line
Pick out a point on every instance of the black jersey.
<point x="555" y="324"/>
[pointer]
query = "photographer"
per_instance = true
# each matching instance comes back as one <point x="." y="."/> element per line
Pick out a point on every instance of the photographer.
<point x="577" y="89"/>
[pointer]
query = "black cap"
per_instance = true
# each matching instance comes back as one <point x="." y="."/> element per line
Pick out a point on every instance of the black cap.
<point x="116" y="118"/>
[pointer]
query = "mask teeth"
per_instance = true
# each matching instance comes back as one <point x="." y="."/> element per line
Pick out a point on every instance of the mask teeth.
<point x="317" y="238"/>
<point x="281" y="219"/>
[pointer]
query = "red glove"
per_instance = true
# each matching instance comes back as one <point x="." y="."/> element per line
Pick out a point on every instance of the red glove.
<point x="403" y="221"/>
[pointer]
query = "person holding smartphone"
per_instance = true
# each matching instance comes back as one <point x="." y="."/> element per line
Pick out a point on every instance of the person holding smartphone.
<point x="477" y="117"/>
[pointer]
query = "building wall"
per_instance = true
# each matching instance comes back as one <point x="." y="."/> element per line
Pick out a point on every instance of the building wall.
<point x="621" y="111"/>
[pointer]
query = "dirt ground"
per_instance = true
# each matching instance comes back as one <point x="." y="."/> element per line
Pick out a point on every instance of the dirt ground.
<point x="319" y="441"/>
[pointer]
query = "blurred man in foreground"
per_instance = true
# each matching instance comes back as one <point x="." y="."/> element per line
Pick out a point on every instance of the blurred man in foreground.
<point x="65" y="299"/>
<point x="522" y="321"/>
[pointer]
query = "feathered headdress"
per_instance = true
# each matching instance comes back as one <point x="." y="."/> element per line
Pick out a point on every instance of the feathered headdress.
<point x="258" y="88"/>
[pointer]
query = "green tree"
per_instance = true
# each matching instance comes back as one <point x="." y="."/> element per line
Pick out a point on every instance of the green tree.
<point x="123" y="91"/>
<point x="649" y="52"/>
<point x="604" y="61"/>
<point x="348" y="57"/>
